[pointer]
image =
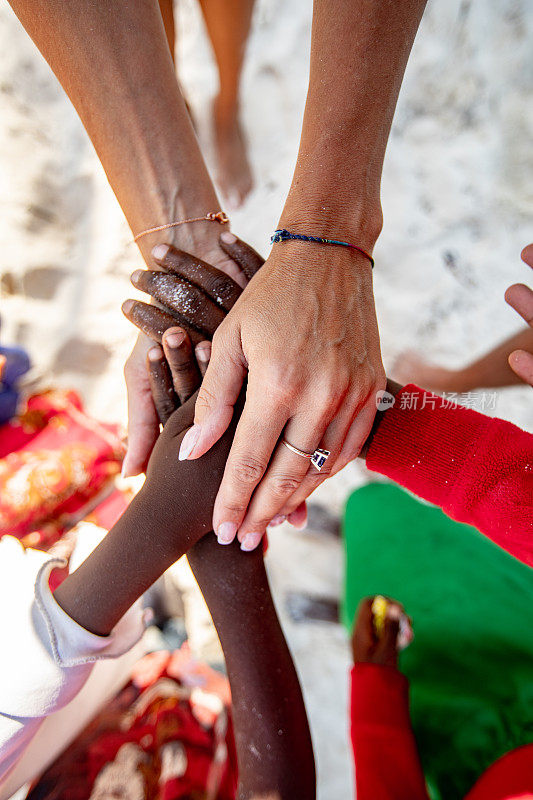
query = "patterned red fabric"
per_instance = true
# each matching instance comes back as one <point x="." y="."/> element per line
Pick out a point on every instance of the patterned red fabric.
<point x="56" y="464"/>
<point x="157" y="740"/>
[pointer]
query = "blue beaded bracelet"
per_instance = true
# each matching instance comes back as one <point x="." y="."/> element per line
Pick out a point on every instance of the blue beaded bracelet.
<point x="283" y="235"/>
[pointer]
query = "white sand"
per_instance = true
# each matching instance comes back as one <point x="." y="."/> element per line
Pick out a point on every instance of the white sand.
<point x="458" y="181"/>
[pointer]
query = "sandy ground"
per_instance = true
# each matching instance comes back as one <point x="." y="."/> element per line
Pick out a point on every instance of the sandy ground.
<point x="458" y="203"/>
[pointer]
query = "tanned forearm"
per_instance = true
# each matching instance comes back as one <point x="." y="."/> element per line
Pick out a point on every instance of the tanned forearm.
<point x="359" y="52"/>
<point x="114" y="63"/>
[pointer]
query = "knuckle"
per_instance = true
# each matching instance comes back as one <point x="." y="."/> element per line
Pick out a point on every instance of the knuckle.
<point x="323" y="413"/>
<point x="205" y="401"/>
<point x="232" y="510"/>
<point x="281" y="388"/>
<point x="314" y="479"/>
<point x="257" y="524"/>
<point x="247" y="470"/>
<point x="221" y="286"/>
<point x="182" y="365"/>
<point x="283" y="485"/>
<point x="335" y="391"/>
<point x="189" y="303"/>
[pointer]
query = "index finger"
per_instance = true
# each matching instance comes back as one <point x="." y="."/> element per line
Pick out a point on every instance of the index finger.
<point x="256" y="437"/>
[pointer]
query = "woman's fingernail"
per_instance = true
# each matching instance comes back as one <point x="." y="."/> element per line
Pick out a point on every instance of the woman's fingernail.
<point x="298" y="519"/>
<point x="228" y="237"/>
<point x="250" y="541"/>
<point x="127" y="305"/>
<point x="136" y="275"/>
<point x="159" y="252"/>
<point x="277" y="520"/>
<point x="188" y="442"/>
<point x="155" y="354"/>
<point x="124" y="471"/>
<point x="226" y="532"/>
<point x="175" y="339"/>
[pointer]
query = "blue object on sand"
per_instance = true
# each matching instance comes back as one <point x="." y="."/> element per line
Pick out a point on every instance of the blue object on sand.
<point x="17" y="363"/>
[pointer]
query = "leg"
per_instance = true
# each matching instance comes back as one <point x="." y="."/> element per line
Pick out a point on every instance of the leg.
<point x="228" y="25"/>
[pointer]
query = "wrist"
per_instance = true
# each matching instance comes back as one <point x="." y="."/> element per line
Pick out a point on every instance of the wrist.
<point x="199" y="238"/>
<point x="357" y="223"/>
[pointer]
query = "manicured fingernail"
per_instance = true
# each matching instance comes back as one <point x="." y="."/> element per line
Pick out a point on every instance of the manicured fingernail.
<point x="298" y="519"/>
<point x="228" y="237"/>
<point x="203" y="353"/>
<point x="250" y="541"/>
<point x="124" y="471"/>
<point x="226" y="532"/>
<point x="127" y="305"/>
<point x="136" y="275"/>
<point x="277" y="520"/>
<point x="155" y="354"/>
<point x="188" y="442"/>
<point x="175" y="339"/>
<point x="159" y="252"/>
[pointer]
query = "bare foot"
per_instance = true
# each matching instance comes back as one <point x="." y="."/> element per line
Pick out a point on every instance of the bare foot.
<point x="234" y="175"/>
<point x="410" y="367"/>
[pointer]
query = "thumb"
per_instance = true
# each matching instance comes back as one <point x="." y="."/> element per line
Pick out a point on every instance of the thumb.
<point x="218" y="394"/>
<point x="143" y="422"/>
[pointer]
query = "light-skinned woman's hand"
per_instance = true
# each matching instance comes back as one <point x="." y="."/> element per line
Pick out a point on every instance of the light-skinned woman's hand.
<point x="304" y="333"/>
<point x="198" y="296"/>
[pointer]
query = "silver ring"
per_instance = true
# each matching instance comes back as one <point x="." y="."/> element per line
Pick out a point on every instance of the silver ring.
<point x="317" y="458"/>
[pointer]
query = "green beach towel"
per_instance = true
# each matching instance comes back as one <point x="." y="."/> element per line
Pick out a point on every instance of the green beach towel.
<point x="470" y="666"/>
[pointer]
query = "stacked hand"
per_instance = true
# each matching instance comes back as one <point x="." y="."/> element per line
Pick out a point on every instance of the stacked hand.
<point x="260" y="486"/>
<point x="143" y="423"/>
<point x="196" y="295"/>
